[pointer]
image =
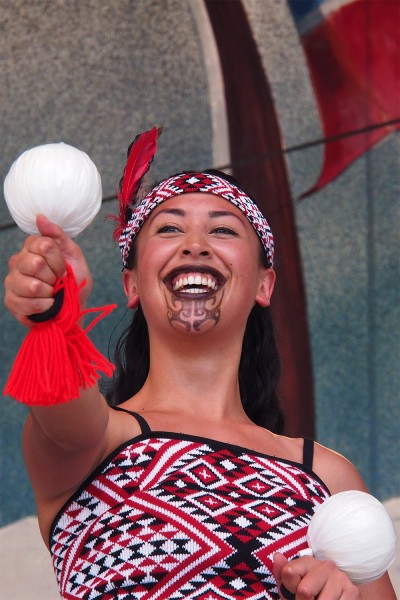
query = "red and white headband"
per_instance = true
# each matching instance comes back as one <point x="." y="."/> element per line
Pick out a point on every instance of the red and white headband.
<point x="183" y="183"/>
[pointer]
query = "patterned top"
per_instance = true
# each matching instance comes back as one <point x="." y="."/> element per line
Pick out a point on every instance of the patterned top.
<point x="172" y="516"/>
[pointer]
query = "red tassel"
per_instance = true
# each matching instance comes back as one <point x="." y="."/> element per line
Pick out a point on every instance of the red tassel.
<point x="57" y="358"/>
<point x="140" y="157"/>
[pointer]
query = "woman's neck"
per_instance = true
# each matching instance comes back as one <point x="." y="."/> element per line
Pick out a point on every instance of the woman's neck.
<point x="188" y="372"/>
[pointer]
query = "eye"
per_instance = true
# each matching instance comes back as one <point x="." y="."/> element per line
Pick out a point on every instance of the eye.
<point x="224" y="230"/>
<point x="168" y="228"/>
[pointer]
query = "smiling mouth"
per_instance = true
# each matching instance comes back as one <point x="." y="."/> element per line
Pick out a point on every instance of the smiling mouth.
<point x="194" y="282"/>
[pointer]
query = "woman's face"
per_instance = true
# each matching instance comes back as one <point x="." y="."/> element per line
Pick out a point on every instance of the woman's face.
<point x="198" y="265"/>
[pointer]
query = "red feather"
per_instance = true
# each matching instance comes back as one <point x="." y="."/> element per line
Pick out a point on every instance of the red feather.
<point x="139" y="160"/>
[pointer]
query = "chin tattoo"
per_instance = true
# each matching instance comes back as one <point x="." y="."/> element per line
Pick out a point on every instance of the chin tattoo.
<point x="197" y="314"/>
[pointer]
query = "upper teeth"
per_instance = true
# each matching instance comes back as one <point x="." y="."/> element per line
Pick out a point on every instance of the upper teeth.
<point x="202" y="280"/>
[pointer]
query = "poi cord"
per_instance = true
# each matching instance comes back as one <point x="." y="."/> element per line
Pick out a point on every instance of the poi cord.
<point x="56" y="358"/>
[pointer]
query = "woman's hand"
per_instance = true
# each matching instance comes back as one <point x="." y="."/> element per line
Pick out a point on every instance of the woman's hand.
<point x="34" y="270"/>
<point x="308" y="578"/>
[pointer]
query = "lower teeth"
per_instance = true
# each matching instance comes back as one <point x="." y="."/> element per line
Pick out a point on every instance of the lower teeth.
<point x="195" y="290"/>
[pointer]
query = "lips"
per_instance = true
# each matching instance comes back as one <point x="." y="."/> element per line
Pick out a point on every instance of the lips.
<point x="192" y="281"/>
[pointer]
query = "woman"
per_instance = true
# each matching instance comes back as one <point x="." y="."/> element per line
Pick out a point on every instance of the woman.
<point x="181" y="490"/>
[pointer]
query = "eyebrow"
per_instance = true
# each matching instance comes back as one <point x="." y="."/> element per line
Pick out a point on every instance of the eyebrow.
<point x="172" y="211"/>
<point x="223" y="213"/>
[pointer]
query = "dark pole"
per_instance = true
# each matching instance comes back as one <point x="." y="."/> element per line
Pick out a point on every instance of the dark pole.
<point x="254" y="131"/>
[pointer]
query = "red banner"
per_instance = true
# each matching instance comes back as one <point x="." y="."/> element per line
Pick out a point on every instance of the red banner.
<point x="353" y="55"/>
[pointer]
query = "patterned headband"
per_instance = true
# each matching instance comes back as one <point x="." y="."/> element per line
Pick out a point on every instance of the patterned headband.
<point x="192" y="182"/>
<point x="131" y="220"/>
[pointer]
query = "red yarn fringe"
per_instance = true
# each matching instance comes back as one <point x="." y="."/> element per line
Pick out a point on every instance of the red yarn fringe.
<point x="57" y="359"/>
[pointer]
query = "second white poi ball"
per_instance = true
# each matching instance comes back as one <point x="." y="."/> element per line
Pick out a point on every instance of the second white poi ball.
<point x="354" y="530"/>
<point x="57" y="181"/>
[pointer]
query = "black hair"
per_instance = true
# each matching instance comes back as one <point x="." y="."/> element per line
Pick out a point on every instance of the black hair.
<point x="259" y="366"/>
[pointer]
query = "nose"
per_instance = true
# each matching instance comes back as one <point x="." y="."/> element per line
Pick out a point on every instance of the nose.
<point x="187" y="252"/>
<point x="196" y="245"/>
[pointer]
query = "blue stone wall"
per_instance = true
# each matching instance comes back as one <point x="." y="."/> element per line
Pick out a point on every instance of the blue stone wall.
<point x="92" y="74"/>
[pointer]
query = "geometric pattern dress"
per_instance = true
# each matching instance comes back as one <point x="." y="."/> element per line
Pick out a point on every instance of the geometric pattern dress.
<point x="170" y="516"/>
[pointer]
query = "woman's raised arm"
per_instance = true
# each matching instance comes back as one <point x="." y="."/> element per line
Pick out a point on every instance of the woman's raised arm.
<point x="62" y="442"/>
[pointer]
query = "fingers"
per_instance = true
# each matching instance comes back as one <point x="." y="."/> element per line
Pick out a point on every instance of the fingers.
<point x="70" y="252"/>
<point x="279" y="561"/>
<point x="30" y="281"/>
<point x="33" y="272"/>
<point x="52" y="230"/>
<point x="292" y="575"/>
<point x="29" y="285"/>
<point x="48" y="228"/>
<point x="42" y="258"/>
<point x="309" y="578"/>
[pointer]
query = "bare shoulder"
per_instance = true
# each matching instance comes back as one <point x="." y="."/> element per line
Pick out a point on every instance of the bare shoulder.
<point x="123" y="426"/>
<point x="337" y="472"/>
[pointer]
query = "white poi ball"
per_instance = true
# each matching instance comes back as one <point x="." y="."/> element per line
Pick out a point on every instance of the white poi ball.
<point x="57" y="181"/>
<point x="354" y="530"/>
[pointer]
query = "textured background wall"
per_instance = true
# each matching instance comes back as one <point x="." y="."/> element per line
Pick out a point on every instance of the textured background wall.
<point x="94" y="74"/>
<point x="349" y="239"/>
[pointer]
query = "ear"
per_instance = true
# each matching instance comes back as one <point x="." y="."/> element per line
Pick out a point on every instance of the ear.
<point x="130" y="288"/>
<point x="266" y="287"/>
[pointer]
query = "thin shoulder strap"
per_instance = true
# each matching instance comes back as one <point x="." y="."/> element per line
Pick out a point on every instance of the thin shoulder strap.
<point x="144" y="426"/>
<point x="308" y="453"/>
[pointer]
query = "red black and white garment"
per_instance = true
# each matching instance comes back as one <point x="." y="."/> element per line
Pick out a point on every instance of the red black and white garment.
<point x="170" y="516"/>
